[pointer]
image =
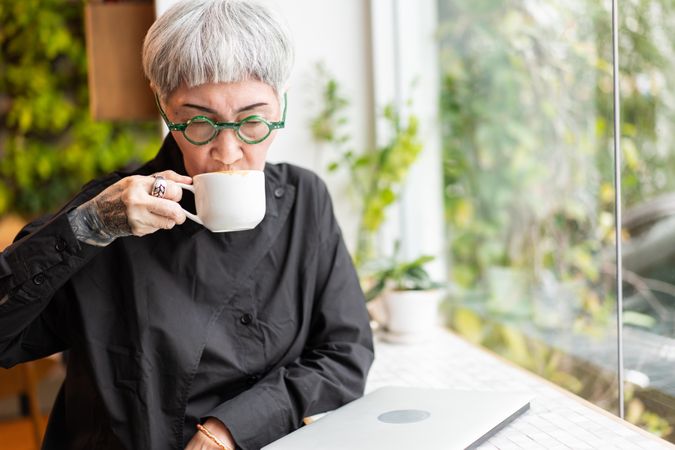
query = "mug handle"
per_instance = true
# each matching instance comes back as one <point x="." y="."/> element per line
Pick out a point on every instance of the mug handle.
<point x="188" y="213"/>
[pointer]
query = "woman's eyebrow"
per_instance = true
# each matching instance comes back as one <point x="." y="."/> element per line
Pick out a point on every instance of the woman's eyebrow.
<point x="211" y="111"/>
<point x="250" y="107"/>
<point x="201" y="108"/>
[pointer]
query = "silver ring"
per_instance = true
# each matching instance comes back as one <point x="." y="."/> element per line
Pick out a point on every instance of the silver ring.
<point x="159" y="187"/>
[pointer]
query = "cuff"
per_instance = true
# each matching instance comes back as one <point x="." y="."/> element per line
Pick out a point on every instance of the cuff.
<point x="254" y="418"/>
<point x="42" y="260"/>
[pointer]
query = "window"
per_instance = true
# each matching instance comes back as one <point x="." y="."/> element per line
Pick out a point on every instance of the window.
<point x="526" y="98"/>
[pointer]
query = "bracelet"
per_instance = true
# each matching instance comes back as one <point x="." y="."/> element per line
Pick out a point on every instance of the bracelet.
<point x="211" y="436"/>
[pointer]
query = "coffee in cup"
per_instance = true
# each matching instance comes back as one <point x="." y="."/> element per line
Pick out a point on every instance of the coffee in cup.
<point x="228" y="201"/>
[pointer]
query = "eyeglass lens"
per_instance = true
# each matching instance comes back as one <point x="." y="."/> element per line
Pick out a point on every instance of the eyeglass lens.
<point x="254" y="130"/>
<point x="202" y="131"/>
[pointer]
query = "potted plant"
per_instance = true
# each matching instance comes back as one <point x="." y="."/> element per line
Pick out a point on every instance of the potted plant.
<point x="408" y="298"/>
<point x="376" y="175"/>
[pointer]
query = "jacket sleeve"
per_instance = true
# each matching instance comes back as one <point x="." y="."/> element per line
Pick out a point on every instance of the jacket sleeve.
<point x="333" y="367"/>
<point x="33" y="270"/>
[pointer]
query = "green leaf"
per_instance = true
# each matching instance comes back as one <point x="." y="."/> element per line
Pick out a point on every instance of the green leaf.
<point x="638" y="319"/>
<point x="50" y="146"/>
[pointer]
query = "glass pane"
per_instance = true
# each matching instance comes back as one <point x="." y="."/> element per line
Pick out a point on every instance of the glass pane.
<point x="648" y="183"/>
<point x="527" y="120"/>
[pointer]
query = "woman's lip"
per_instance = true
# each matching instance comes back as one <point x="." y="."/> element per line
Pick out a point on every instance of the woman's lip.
<point x="223" y="169"/>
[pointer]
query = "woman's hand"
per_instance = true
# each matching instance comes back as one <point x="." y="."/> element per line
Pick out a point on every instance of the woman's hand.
<point x="201" y="441"/>
<point x="127" y="208"/>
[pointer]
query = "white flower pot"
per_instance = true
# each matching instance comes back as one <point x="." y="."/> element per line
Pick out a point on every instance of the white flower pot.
<point x="411" y="316"/>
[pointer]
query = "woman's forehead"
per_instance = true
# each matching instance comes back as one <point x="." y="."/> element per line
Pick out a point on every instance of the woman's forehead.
<point x="231" y="95"/>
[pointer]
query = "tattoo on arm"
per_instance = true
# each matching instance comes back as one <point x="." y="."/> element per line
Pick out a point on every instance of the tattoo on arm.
<point x="100" y="221"/>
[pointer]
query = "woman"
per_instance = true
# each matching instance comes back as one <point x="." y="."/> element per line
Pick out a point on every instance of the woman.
<point x="179" y="337"/>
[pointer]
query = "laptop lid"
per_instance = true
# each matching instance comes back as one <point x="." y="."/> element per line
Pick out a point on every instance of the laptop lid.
<point x="406" y="417"/>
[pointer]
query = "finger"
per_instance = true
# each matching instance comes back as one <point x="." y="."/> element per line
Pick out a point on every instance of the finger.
<point x="154" y="214"/>
<point x="173" y="191"/>
<point x="173" y="176"/>
<point x="148" y="223"/>
<point x="139" y="185"/>
<point x="167" y="209"/>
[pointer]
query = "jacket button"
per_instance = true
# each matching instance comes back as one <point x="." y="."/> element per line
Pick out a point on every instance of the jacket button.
<point x="279" y="192"/>
<point x="60" y="245"/>
<point x="246" y="319"/>
<point x="39" y="279"/>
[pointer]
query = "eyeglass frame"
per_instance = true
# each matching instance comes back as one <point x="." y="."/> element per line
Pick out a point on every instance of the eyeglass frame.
<point x="218" y="126"/>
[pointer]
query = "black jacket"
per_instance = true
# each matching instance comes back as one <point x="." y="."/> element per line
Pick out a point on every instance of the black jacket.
<point x="258" y="328"/>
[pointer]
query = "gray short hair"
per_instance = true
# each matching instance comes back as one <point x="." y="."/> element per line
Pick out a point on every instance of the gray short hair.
<point x="217" y="41"/>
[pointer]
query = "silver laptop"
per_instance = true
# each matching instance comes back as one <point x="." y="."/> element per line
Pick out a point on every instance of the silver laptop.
<point x="405" y="417"/>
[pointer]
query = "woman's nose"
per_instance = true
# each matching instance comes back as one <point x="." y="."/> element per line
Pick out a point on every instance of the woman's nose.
<point x="226" y="147"/>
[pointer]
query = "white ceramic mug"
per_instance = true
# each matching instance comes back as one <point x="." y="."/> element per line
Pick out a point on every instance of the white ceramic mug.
<point x="228" y="201"/>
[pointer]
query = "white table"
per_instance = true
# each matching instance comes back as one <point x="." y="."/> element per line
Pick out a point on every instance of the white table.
<point x="557" y="419"/>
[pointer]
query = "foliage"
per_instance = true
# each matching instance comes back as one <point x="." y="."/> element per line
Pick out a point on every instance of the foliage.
<point x="377" y="174"/>
<point x="570" y="372"/>
<point x="638" y="413"/>
<point x="401" y="275"/>
<point x="527" y="119"/>
<point x="647" y="83"/>
<point x="329" y="122"/>
<point x="519" y="143"/>
<point x="527" y="133"/>
<point x="49" y="145"/>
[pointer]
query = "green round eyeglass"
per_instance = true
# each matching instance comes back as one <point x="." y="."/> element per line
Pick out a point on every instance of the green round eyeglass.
<point x="201" y="130"/>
